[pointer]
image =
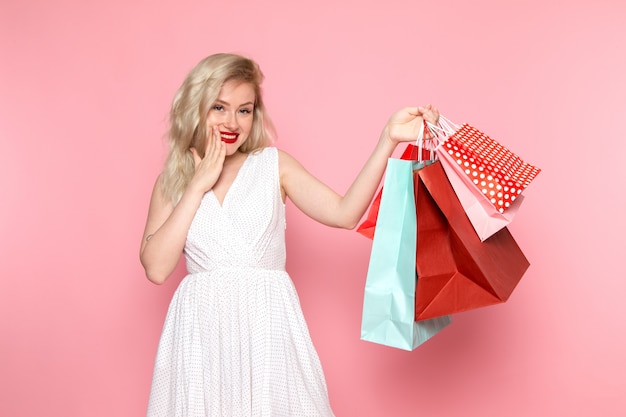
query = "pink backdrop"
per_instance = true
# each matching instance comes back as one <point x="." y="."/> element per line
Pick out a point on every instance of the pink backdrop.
<point x="84" y="92"/>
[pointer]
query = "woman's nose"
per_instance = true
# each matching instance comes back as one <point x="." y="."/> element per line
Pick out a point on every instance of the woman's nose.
<point x="230" y="121"/>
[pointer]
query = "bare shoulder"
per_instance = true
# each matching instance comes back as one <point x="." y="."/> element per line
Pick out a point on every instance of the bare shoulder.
<point x="284" y="157"/>
<point x="287" y="163"/>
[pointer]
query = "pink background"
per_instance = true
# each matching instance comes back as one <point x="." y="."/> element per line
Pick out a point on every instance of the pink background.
<point x="84" y="92"/>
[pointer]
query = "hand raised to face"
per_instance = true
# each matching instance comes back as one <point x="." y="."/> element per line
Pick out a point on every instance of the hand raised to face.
<point x="209" y="168"/>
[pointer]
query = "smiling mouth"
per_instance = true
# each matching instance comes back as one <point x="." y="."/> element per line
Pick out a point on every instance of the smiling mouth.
<point x="229" y="137"/>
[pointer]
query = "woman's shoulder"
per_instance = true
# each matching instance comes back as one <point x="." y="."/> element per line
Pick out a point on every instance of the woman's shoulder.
<point x="286" y="162"/>
<point x="273" y="152"/>
<point x="265" y="153"/>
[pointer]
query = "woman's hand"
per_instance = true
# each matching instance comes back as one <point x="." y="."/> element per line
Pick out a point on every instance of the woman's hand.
<point x="209" y="168"/>
<point x="404" y="125"/>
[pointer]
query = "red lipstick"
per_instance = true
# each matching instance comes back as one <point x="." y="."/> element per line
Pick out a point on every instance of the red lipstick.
<point x="229" y="137"/>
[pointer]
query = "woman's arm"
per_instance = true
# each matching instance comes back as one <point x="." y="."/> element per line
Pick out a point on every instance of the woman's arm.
<point x="323" y="204"/>
<point x="167" y="225"/>
<point x="165" y="233"/>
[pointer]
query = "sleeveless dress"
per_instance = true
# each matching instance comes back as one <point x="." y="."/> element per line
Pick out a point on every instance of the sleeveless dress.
<point x="235" y="342"/>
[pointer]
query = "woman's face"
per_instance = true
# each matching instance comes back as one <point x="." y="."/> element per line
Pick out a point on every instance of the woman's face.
<point x="233" y="113"/>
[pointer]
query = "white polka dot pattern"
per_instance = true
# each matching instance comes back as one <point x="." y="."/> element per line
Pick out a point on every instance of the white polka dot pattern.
<point x="496" y="171"/>
<point x="235" y="342"/>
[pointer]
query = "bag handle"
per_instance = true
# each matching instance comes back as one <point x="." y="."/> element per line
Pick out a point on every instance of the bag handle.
<point x="420" y="144"/>
<point x="443" y="126"/>
<point x="442" y="131"/>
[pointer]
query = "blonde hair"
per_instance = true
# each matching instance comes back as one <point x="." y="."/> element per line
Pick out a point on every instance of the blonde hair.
<point x="191" y="104"/>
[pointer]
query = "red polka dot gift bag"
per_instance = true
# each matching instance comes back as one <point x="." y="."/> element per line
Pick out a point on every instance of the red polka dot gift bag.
<point x="487" y="177"/>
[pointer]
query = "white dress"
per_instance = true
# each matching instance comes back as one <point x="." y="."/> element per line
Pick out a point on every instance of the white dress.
<point x="235" y="342"/>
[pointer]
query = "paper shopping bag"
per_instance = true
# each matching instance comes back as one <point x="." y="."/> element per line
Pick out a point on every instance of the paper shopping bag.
<point x="495" y="171"/>
<point x="456" y="271"/>
<point x="368" y="226"/>
<point x="484" y="216"/>
<point x="389" y="300"/>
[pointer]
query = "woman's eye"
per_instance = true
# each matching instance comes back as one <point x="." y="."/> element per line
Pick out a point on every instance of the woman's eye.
<point x="246" y="111"/>
<point x="218" y="107"/>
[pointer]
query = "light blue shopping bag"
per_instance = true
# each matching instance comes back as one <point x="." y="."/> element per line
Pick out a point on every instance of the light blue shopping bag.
<point x="389" y="302"/>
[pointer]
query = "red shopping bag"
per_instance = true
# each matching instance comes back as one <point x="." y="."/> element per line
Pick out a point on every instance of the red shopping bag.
<point x="368" y="226"/>
<point x="498" y="173"/>
<point x="457" y="271"/>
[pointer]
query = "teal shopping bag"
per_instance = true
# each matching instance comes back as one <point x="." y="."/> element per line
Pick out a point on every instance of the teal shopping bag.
<point x="389" y="302"/>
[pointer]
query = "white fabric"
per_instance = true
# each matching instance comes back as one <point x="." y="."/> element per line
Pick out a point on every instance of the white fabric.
<point x="235" y="342"/>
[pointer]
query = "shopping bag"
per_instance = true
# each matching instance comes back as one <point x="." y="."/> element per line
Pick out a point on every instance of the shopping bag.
<point x="389" y="300"/>
<point x="487" y="178"/>
<point x="368" y="226"/>
<point x="457" y="271"/>
<point x="499" y="174"/>
<point x="484" y="216"/>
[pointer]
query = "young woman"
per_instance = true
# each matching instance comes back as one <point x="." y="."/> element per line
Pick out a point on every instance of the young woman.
<point x="235" y="342"/>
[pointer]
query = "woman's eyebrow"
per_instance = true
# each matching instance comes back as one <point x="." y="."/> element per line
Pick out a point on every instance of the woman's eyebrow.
<point x="249" y="103"/>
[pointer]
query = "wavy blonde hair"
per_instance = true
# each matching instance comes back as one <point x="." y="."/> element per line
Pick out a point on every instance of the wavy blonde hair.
<point x="189" y="111"/>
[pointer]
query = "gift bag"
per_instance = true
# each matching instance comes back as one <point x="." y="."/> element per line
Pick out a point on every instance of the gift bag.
<point x="484" y="216"/>
<point x="456" y="270"/>
<point x="487" y="177"/>
<point x="389" y="300"/>
<point x="497" y="172"/>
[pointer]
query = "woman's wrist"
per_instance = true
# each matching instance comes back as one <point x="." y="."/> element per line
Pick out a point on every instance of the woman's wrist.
<point x="385" y="142"/>
<point x="193" y="193"/>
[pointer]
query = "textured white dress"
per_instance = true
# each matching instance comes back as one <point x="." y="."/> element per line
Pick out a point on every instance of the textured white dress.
<point x="235" y="342"/>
